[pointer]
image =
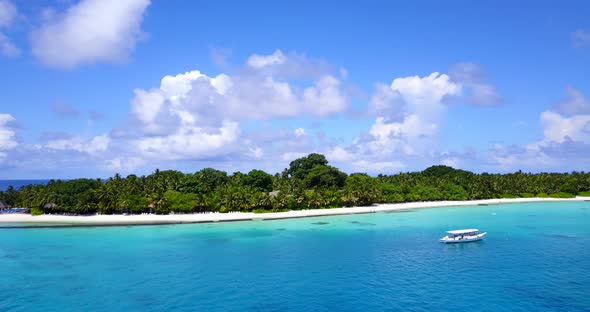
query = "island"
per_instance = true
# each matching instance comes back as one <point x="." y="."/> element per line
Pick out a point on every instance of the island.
<point x="308" y="187"/>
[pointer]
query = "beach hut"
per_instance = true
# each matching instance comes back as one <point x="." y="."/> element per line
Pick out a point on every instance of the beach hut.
<point x="50" y="206"/>
<point x="3" y="206"/>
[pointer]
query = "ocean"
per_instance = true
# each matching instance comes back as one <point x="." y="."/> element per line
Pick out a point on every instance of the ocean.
<point x="536" y="257"/>
<point x="17" y="184"/>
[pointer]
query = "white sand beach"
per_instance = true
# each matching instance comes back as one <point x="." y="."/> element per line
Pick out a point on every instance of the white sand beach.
<point x="147" y="219"/>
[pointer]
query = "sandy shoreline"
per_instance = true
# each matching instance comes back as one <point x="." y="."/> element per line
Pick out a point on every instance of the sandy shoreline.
<point x="146" y="219"/>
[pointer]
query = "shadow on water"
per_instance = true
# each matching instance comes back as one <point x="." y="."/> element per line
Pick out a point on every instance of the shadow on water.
<point x="527" y="227"/>
<point x="464" y="246"/>
<point x="218" y="240"/>
<point x="281" y="229"/>
<point x="559" y="236"/>
<point x="363" y="223"/>
<point x="320" y="223"/>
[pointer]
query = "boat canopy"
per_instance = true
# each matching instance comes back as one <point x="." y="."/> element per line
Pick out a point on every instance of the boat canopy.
<point x="459" y="232"/>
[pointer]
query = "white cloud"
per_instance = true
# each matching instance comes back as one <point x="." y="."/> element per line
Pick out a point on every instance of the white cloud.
<point x="476" y="91"/>
<point x="412" y="127"/>
<point x="193" y="115"/>
<point x="255" y="153"/>
<point x="339" y="154"/>
<point x="7" y="134"/>
<point x="425" y="94"/>
<point x="90" y="31"/>
<point x="378" y="166"/>
<point x="325" y="97"/>
<point x="290" y="156"/>
<point x="558" y="128"/>
<point x="94" y="146"/>
<point x="188" y="142"/>
<point x="257" y="61"/>
<point x="408" y="113"/>
<point x="124" y="164"/>
<point x="514" y="157"/>
<point x="299" y="132"/>
<point x="566" y="139"/>
<point x="8" y="13"/>
<point x="196" y="97"/>
<point x="451" y="162"/>
<point x="386" y="102"/>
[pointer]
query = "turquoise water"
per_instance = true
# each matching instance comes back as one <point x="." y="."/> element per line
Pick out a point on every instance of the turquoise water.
<point x="536" y="257"/>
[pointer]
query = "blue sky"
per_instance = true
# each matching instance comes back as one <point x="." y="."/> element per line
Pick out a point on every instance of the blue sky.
<point x="95" y="87"/>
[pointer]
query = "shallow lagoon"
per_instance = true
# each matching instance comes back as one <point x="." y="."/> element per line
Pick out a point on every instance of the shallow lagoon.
<point x="536" y="257"/>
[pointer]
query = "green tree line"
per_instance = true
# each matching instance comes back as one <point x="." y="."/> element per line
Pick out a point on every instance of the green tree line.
<point x="308" y="182"/>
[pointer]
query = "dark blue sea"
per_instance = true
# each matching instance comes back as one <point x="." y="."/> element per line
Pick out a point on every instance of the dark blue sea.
<point x="536" y="257"/>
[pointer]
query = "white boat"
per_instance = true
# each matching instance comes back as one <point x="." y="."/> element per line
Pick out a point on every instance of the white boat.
<point x="462" y="236"/>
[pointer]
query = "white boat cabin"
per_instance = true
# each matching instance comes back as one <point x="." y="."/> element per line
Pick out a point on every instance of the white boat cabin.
<point x="462" y="236"/>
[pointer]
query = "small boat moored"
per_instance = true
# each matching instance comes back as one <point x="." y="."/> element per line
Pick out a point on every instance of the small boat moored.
<point x="462" y="236"/>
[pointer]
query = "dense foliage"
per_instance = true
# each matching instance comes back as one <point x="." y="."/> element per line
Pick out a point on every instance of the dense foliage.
<point x="309" y="182"/>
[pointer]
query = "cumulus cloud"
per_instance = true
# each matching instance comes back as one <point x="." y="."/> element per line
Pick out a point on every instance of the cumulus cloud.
<point x="566" y="139"/>
<point x="290" y="65"/>
<point x="123" y="164"/>
<point x="257" y="61"/>
<point x="386" y="101"/>
<point x="339" y="154"/>
<point x="194" y="95"/>
<point x="93" y="146"/>
<point x="558" y="128"/>
<point x="475" y="90"/>
<point x="408" y="113"/>
<point x="90" y="31"/>
<point x="189" y="142"/>
<point x="408" y="117"/>
<point x="513" y="157"/>
<point x="290" y="156"/>
<point x="7" y="133"/>
<point x="569" y="121"/>
<point x="192" y="115"/>
<point x="197" y="117"/>
<point x="379" y="166"/>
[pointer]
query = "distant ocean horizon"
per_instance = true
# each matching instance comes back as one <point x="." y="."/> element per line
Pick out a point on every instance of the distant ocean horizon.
<point x="17" y="184"/>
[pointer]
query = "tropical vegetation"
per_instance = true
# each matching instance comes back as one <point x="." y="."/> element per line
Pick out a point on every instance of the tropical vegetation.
<point x="308" y="182"/>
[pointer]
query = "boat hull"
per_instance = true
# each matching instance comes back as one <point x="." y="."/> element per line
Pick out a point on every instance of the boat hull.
<point x="447" y="240"/>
